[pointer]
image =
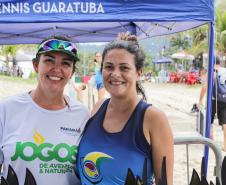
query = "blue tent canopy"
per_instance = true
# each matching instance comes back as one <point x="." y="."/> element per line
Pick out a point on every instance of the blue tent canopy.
<point x="27" y="22"/>
<point x="98" y="20"/>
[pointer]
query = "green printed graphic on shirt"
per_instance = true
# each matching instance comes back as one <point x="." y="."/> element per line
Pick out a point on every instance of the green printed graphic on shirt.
<point x="46" y="168"/>
<point x="29" y="151"/>
<point x="44" y="151"/>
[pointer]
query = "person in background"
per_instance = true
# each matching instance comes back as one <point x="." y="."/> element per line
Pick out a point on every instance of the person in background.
<point x="76" y="91"/>
<point x="217" y="106"/>
<point x="40" y="130"/>
<point x="148" y="76"/>
<point x="98" y="77"/>
<point x="125" y="134"/>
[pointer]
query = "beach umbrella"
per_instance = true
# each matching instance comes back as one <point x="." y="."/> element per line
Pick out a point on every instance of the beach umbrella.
<point x="182" y="56"/>
<point x="163" y="60"/>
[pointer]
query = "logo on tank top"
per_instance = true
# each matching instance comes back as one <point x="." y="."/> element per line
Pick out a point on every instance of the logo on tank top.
<point x="90" y="165"/>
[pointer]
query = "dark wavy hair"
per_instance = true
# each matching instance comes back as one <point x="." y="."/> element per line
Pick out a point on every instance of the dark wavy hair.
<point x="129" y="43"/>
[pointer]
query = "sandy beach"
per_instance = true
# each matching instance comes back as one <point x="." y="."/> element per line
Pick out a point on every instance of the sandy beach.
<point x="176" y="101"/>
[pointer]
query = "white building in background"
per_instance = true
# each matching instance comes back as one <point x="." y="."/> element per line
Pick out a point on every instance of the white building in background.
<point x="2" y="63"/>
<point x="24" y="61"/>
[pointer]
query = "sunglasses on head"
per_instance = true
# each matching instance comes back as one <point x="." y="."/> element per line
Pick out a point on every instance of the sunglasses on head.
<point x="58" y="45"/>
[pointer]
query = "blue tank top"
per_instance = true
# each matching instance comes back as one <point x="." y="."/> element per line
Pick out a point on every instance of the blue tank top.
<point x="104" y="158"/>
<point x="98" y="77"/>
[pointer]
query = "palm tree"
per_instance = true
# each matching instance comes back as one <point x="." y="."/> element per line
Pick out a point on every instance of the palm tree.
<point x="221" y="30"/>
<point x="223" y="41"/>
<point x="9" y="50"/>
<point x="180" y="41"/>
<point x="200" y="35"/>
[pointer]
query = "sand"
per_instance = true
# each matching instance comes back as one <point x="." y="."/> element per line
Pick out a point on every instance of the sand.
<point x="176" y="101"/>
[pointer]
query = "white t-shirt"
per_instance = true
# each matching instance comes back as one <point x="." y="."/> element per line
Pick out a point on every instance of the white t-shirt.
<point x="222" y="74"/>
<point x="41" y="140"/>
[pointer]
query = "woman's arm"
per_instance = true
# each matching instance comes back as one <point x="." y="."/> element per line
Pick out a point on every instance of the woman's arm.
<point x="159" y="134"/>
<point x="97" y="106"/>
<point x="202" y="94"/>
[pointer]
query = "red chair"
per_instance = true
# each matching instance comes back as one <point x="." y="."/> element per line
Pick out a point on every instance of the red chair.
<point x="178" y="77"/>
<point x="85" y="79"/>
<point x="172" y="77"/>
<point x="192" y="78"/>
<point x="186" y="74"/>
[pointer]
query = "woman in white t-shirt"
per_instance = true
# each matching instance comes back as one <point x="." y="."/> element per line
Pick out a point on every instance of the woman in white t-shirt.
<point x="40" y="130"/>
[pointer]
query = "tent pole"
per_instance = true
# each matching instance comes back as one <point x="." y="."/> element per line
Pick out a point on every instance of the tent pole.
<point x="133" y="28"/>
<point x="209" y="90"/>
<point x="84" y="60"/>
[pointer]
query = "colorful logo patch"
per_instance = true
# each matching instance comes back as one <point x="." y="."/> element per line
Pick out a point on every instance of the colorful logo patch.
<point x="91" y="166"/>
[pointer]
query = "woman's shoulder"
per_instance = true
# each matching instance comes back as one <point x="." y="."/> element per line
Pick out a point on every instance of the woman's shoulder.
<point x="97" y="106"/>
<point x="19" y="98"/>
<point x="154" y="118"/>
<point x="14" y="103"/>
<point x="154" y="111"/>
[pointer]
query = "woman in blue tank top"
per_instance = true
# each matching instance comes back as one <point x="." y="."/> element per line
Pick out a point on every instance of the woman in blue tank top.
<point x="126" y="138"/>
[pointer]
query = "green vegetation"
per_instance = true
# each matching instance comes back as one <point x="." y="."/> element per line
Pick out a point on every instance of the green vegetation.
<point x="195" y="41"/>
<point x="31" y="80"/>
<point x="180" y="41"/>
